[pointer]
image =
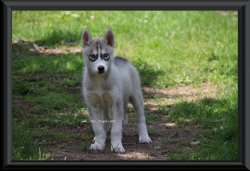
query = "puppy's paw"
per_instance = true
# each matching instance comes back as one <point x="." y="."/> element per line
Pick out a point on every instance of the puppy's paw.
<point x="117" y="147"/>
<point x="145" y="139"/>
<point x="97" y="146"/>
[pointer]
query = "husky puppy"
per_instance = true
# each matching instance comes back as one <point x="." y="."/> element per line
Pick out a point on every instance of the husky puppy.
<point x="108" y="85"/>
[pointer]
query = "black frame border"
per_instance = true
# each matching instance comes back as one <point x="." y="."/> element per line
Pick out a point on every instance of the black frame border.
<point x="243" y="8"/>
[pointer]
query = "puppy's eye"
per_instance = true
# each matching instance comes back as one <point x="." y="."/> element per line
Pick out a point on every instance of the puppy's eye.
<point x="92" y="57"/>
<point x="105" y="56"/>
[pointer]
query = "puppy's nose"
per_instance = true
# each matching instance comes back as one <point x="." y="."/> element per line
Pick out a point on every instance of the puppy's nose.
<point x="100" y="69"/>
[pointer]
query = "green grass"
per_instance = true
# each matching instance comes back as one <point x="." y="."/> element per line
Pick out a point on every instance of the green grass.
<point x="218" y="118"/>
<point x="157" y="42"/>
<point x="24" y="146"/>
<point x="184" y="48"/>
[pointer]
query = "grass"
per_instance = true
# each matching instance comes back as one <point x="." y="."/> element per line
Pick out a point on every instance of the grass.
<point x="218" y="118"/>
<point x="170" y="49"/>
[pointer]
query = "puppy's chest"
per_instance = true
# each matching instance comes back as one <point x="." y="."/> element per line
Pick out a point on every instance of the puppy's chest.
<point x="100" y="98"/>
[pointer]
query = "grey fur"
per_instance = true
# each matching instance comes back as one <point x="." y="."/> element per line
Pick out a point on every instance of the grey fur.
<point x="107" y="94"/>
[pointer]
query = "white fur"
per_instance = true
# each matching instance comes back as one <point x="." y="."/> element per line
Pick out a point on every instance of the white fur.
<point x="109" y="93"/>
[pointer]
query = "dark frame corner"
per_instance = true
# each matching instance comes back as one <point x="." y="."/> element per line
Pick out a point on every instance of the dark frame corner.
<point x="243" y="8"/>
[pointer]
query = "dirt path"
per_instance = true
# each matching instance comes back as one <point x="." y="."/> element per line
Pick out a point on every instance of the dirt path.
<point x="27" y="48"/>
<point x="168" y="138"/>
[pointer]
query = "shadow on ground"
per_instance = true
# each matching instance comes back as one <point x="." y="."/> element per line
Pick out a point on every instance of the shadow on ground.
<point x="169" y="136"/>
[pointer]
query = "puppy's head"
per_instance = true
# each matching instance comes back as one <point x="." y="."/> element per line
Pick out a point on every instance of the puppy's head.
<point x="98" y="53"/>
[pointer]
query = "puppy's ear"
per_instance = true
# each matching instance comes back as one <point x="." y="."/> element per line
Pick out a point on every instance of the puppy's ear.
<point x="86" y="38"/>
<point x="109" y="38"/>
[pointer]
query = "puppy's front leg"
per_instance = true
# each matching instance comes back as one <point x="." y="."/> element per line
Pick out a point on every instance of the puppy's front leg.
<point x="96" y="116"/>
<point x="116" y="131"/>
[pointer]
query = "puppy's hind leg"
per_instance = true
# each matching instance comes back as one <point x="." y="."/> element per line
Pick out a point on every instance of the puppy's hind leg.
<point x="137" y="102"/>
<point x="125" y="110"/>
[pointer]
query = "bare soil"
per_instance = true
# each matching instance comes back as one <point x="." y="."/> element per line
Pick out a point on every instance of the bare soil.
<point x="167" y="137"/>
<point x="26" y="48"/>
